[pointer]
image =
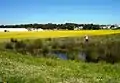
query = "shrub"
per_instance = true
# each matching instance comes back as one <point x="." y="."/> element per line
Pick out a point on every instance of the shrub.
<point x="45" y="51"/>
<point x="9" y="46"/>
<point x="91" y="54"/>
<point x="13" y="40"/>
<point x="95" y="50"/>
<point x="49" y="39"/>
<point x="112" y="52"/>
<point x="30" y="49"/>
<point x="54" y="46"/>
<point x="20" y="45"/>
<point x="6" y="31"/>
<point x="38" y="43"/>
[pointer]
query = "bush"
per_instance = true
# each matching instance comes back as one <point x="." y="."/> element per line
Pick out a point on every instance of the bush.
<point x="9" y="46"/>
<point x="35" y="47"/>
<point x="91" y="54"/>
<point x="108" y="52"/>
<point x="45" y="51"/>
<point x="6" y="31"/>
<point x="38" y="43"/>
<point x="49" y="39"/>
<point x="95" y="50"/>
<point x="20" y="45"/>
<point x="13" y="40"/>
<point x="113" y="52"/>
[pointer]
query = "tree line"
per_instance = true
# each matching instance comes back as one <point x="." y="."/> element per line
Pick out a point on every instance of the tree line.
<point x="68" y="26"/>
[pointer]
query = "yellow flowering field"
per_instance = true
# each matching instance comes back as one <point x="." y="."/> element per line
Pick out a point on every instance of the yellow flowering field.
<point x="53" y="34"/>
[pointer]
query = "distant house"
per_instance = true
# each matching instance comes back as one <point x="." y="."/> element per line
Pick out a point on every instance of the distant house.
<point x="78" y="28"/>
<point x="108" y="27"/>
<point x="39" y="29"/>
<point x="55" y="29"/>
<point x="114" y="26"/>
<point x="19" y="29"/>
<point x="105" y="27"/>
<point x="118" y="25"/>
<point x="81" y="27"/>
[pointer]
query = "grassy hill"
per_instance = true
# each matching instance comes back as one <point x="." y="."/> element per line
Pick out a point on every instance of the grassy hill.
<point x="17" y="68"/>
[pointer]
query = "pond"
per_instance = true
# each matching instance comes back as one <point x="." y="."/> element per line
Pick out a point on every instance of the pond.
<point x="64" y="56"/>
<point x="61" y="55"/>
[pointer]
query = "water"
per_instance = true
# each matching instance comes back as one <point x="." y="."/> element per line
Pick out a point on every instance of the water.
<point x="81" y="56"/>
<point x="61" y="55"/>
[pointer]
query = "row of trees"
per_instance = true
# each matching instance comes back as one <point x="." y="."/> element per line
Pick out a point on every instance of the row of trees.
<point x="69" y="26"/>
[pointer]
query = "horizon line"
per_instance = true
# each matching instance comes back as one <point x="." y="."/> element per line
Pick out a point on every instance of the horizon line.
<point x="61" y="23"/>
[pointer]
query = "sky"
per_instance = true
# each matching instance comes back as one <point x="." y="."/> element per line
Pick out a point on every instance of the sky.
<point x="59" y="11"/>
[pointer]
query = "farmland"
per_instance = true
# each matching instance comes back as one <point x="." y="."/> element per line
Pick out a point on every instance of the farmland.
<point x="29" y="61"/>
<point x="55" y="34"/>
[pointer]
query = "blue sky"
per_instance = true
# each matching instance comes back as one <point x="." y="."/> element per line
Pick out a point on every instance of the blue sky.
<point x="59" y="11"/>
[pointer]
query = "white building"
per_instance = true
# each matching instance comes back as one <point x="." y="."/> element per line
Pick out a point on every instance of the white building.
<point x="78" y="28"/>
<point x="18" y="29"/>
<point x="118" y="25"/>
<point x="105" y="27"/>
<point x="13" y="29"/>
<point x="39" y="29"/>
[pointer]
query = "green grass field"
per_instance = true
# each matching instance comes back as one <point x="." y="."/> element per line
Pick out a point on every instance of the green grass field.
<point x="18" y="68"/>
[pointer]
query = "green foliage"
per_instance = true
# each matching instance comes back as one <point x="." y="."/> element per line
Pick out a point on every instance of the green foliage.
<point x="99" y="48"/>
<point x="18" y="68"/>
<point x="13" y="40"/>
<point x="68" y="26"/>
<point x="20" y="45"/>
<point x="9" y="46"/>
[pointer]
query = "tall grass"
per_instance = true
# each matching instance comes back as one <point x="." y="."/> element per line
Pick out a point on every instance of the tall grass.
<point x="99" y="48"/>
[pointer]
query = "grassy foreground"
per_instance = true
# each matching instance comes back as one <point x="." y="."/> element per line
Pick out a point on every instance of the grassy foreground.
<point x="17" y="68"/>
<point x="20" y="68"/>
<point x="53" y="34"/>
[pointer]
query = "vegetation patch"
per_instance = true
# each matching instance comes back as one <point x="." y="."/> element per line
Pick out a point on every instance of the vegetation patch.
<point x="61" y="60"/>
<point x="99" y="48"/>
<point x="19" y="68"/>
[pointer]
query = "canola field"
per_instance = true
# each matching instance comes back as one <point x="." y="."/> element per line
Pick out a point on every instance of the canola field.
<point x="55" y="34"/>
